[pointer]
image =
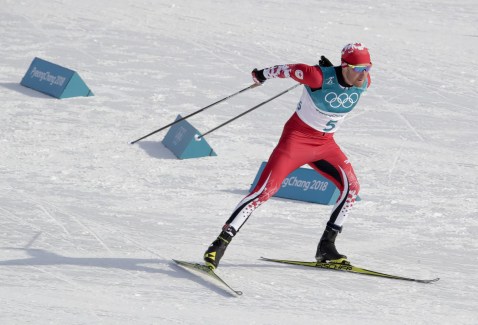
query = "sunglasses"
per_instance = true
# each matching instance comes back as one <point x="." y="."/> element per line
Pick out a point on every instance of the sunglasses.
<point x="360" y="68"/>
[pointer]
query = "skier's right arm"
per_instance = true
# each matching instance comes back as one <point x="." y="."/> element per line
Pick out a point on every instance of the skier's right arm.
<point x="302" y="73"/>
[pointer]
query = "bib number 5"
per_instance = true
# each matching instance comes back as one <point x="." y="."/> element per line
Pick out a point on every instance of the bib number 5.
<point x="330" y="126"/>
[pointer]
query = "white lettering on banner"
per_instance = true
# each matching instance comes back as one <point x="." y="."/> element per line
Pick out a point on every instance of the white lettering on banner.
<point x="179" y="135"/>
<point x="305" y="185"/>
<point x="46" y="76"/>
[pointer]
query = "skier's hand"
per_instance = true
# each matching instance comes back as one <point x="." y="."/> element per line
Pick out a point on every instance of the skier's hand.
<point x="258" y="76"/>
<point x="324" y="62"/>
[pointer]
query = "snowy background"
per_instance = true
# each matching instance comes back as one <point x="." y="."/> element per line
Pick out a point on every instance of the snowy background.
<point x="89" y="223"/>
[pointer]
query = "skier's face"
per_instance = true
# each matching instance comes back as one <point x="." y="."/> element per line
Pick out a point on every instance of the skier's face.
<point x="355" y="76"/>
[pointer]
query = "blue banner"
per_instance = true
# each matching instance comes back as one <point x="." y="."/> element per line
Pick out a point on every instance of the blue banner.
<point x="181" y="140"/>
<point x="54" y="80"/>
<point x="305" y="184"/>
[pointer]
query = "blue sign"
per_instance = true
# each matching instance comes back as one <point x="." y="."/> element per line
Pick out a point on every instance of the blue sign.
<point x="305" y="184"/>
<point x="54" y="80"/>
<point x="181" y="140"/>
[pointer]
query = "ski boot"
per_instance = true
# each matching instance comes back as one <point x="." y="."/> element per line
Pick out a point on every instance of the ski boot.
<point x="216" y="250"/>
<point x="326" y="251"/>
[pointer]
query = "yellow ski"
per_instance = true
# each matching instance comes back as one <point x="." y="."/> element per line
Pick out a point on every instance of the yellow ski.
<point x="346" y="268"/>
<point x="205" y="270"/>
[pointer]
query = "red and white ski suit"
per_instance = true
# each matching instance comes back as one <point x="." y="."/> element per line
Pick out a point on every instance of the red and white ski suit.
<point x="304" y="140"/>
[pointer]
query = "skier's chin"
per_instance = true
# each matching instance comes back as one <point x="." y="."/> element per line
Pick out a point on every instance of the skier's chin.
<point x="359" y="82"/>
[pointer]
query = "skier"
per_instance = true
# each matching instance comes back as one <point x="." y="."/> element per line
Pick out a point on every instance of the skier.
<point x="330" y="93"/>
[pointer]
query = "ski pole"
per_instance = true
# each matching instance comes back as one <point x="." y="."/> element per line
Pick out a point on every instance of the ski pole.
<point x="196" y="112"/>
<point x="199" y="136"/>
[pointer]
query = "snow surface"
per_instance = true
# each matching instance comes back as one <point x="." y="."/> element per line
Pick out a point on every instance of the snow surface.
<point x="90" y="223"/>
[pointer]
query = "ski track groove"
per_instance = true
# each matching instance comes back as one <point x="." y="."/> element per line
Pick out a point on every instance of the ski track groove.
<point x="50" y="216"/>
<point x="75" y="219"/>
<point x="57" y="276"/>
<point x="395" y="161"/>
<point x="41" y="204"/>
<point x="450" y="105"/>
<point x="12" y="216"/>
<point x="138" y="245"/>
<point x="91" y="232"/>
<point x="407" y="122"/>
<point x="73" y="284"/>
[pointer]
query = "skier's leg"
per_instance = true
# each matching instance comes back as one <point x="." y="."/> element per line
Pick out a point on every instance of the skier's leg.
<point x="280" y="164"/>
<point x="343" y="176"/>
<point x="336" y="167"/>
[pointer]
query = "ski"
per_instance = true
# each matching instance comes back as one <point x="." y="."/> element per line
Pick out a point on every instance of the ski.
<point x="347" y="268"/>
<point x="205" y="270"/>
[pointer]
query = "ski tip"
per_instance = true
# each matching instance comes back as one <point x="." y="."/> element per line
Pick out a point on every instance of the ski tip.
<point x="181" y="263"/>
<point x="177" y="262"/>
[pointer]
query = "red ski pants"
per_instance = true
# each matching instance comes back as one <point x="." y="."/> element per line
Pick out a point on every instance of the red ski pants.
<point x="299" y="145"/>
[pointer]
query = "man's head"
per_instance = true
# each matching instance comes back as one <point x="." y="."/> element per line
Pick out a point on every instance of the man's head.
<point x="356" y="63"/>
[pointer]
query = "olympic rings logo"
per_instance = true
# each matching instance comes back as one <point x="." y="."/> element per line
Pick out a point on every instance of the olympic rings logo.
<point x="343" y="100"/>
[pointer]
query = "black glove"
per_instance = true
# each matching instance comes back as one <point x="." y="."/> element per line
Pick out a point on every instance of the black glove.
<point x="258" y="76"/>
<point x="324" y="62"/>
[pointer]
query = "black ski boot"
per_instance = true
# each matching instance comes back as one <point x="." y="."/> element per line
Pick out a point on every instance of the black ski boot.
<point x="326" y="251"/>
<point x="216" y="250"/>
